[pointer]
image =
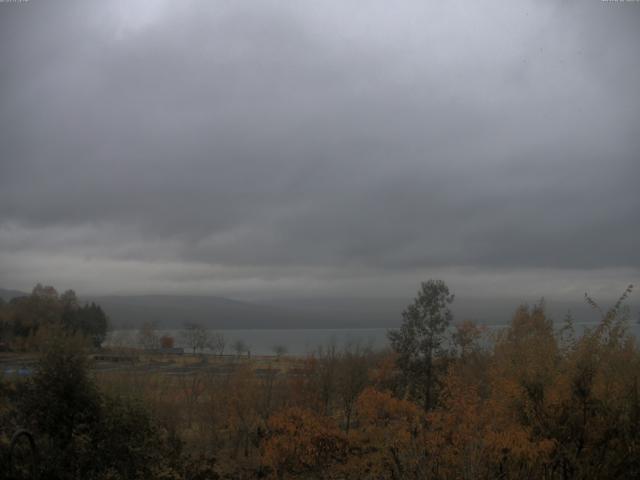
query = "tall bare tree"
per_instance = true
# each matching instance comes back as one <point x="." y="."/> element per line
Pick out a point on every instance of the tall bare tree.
<point x="195" y="337"/>
<point x="217" y="343"/>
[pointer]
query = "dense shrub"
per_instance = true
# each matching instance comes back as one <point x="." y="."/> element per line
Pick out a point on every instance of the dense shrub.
<point x="84" y="434"/>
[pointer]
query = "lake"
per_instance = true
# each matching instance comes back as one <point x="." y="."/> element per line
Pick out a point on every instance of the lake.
<point x="262" y="342"/>
<point x="300" y="341"/>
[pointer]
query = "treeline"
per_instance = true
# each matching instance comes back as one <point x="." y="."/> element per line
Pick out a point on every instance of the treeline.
<point x="535" y="403"/>
<point x="444" y="403"/>
<point x="26" y="321"/>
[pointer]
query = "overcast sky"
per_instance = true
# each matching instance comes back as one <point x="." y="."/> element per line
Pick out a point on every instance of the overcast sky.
<point x="334" y="147"/>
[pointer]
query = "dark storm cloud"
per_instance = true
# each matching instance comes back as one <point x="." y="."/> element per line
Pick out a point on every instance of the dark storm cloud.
<point x="322" y="135"/>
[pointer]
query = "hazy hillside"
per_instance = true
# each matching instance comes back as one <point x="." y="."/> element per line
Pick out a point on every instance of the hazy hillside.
<point x="7" y="295"/>
<point x="214" y="312"/>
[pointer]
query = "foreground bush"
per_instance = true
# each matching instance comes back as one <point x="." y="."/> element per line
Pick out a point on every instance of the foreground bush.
<point x="82" y="433"/>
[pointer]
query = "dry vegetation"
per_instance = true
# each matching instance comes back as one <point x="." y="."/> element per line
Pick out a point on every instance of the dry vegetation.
<point x="537" y="404"/>
<point x="533" y="402"/>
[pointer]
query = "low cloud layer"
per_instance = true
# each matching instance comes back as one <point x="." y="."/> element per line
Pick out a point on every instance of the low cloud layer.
<point x="271" y="148"/>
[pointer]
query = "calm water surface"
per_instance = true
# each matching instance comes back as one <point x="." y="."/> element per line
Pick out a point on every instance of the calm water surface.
<point x="300" y="341"/>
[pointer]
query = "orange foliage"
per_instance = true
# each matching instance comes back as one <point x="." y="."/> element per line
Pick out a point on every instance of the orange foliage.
<point x="385" y="375"/>
<point x="389" y="440"/>
<point x="303" y="390"/>
<point x="166" y="341"/>
<point x="529" y="407"/>
<point x="242" y="413"/>
<point x="467" y="335"/>
<point x="456" y="431"/>
<point x="302" y="442"/>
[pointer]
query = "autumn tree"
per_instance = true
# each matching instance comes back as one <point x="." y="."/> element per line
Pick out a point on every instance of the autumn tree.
<point x="303" y="386"/>
<point x="29" y="313"/>
<point x="470" y="352"/>
<point x="302" y="444"/>
<point x="326" y="375"/>
<point x="389" y="442"/>
<point x="166" y="342"/>
<point x="45" y="308"/>
<point x="215" y="409"/>
<point x="352" y="378"/>
<point x="192" y="386"/>
<point x="267" y="389"/>
<point x="419" y="340"/>
<point x="466" y="337"/>
<point x="521" y="374"/>
<point x="595" y="403"/>
<point x="385" y="375"/>
<point x="242" y="407"/>
<point x="455" y="440"/>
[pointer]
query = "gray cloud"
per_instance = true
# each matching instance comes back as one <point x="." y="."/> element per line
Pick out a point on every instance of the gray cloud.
<point x="312" y="142"/>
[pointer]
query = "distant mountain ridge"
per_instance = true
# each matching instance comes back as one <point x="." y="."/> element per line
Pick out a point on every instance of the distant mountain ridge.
<point x="170" y="311"/>
<point x="173" y="311"/>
